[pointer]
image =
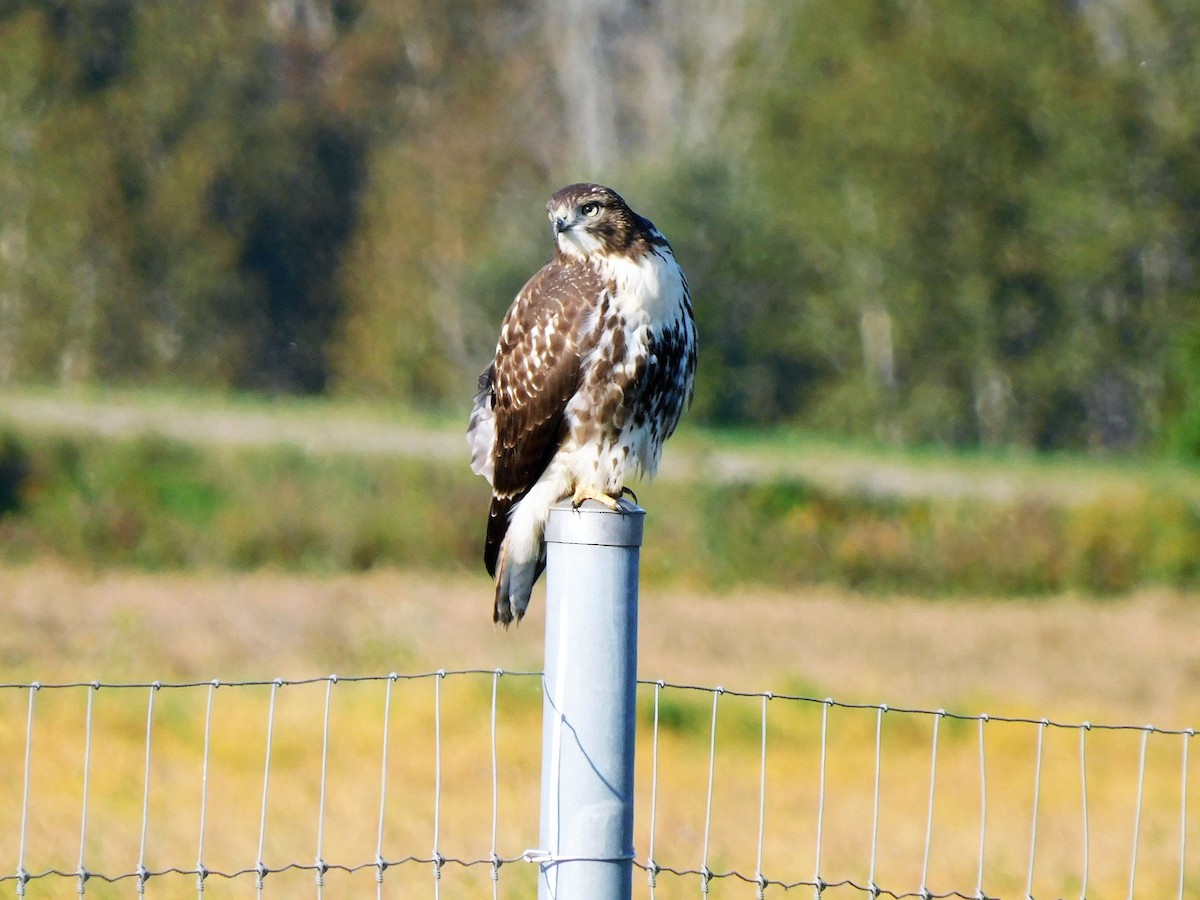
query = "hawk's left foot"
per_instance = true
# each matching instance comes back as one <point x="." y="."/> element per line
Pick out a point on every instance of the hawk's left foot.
<point x="587" y="492"/>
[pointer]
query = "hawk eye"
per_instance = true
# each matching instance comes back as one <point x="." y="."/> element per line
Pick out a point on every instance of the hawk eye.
<point x="591" y="208"/>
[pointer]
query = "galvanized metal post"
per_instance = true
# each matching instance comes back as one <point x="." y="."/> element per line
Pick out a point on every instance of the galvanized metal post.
<point x="590" y="686"/>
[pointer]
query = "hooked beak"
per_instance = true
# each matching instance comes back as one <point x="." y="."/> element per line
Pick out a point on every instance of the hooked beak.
<point x="560" y="225"/>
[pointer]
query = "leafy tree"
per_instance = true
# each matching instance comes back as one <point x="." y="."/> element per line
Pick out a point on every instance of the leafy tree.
<point x="964" y="175"/>
<point x="196" y="185"/>
<point x="971" y="224"/>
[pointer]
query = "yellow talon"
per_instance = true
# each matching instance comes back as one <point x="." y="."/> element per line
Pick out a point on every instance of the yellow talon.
<point x="587" y="492"/>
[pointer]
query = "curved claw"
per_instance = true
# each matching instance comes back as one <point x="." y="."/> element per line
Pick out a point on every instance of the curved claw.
<point x="587" y="492"/>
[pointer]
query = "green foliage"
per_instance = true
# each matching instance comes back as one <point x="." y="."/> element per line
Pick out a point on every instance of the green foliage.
<point x="155" y="504"/>
<point x="197" y="179"/>
<point x="782" y="533"/>
<point x="14" y="472"/>
<point x="986" y="183"/>
<point x="677" y="712"/>
<point x="761" y="357"/>
<point x="1182" y="433"/>
<point x="968" y="225"/>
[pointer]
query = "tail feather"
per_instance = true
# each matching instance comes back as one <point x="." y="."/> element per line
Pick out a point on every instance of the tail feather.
<point x="514" y="585"/>
<point x="497" y="528"/>
<point x="481" y="430"/>
<point x="515" y="549"/>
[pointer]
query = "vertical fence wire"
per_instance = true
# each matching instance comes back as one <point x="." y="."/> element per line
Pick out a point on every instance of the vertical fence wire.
<point x="438" y="859"/>
<point x="651" y="865"/>
<point x="22" y="873"/>
<point x="1183" y="791"/>
<point x="201" y="869"/>
<point x="818" y="882"/>
<point x="260" y="867"/>
<point x="983" y="719"/>
<point x="705" y="872"/>
<point x="1037" y="793"/>
<point x="1137" y="813"/>
<point x="933" y="759"/>
<point x="1084" y="793"/>
<point x="495" y="789"/>
<point x="380" y="863"/>
<point x="81" y="871"/>
<point x="872" y="887"/>
<point x="142" y="873"/>
<point x="321" y="868"/>
<point x="759" y="879"/>
<point x="553" y="828"/>
<point x="1146" y="813"/>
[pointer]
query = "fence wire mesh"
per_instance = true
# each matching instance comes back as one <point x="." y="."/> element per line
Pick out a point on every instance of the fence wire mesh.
<point x="427" y="785"/>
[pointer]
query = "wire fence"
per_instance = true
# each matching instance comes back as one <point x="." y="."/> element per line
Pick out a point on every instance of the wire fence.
<point x="427" y="785"/>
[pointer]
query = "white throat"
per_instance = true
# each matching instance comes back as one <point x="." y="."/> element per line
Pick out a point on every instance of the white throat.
<point x="578" y="243"/>
<point x="649" y="282"/>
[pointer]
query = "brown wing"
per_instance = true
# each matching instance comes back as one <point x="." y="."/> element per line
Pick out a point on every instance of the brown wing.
<point x="535" y="374"/>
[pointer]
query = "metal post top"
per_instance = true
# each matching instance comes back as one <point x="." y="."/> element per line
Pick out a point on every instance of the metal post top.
<point x="593" y="523"/>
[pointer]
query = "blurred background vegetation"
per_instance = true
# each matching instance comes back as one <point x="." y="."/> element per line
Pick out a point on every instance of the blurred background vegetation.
<point x="946" y="265"/>
<point x="908" y="224"/>
<point x="921" y="222"/>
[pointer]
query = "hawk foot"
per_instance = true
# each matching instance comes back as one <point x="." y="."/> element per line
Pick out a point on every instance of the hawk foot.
<point x="587" y="492"/>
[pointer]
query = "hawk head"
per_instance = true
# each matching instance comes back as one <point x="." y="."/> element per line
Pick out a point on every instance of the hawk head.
<point x="589" y="219"/>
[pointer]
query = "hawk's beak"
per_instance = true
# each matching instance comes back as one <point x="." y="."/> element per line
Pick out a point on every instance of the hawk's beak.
<point x="560" y="225"/>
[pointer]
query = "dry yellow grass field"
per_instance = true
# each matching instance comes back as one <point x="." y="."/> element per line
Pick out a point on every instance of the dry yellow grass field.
<point x="1129" y="660"/>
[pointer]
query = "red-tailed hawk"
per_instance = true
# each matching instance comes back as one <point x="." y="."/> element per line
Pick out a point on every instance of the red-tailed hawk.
<point x="595" y="363"/>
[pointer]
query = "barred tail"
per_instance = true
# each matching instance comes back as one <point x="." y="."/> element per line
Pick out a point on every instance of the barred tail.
<point x="514" y="583"/>
<point x="515" y="549"/>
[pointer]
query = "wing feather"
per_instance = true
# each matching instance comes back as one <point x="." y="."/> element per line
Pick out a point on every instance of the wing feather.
<point x="481" y="431"/>
<point x="534" y="376"/>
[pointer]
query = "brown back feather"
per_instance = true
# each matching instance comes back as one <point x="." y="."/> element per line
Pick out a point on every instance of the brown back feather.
<point x="530" y="400"/>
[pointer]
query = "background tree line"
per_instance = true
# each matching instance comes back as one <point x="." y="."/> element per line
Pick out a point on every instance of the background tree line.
<point x="972" y="224"/>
